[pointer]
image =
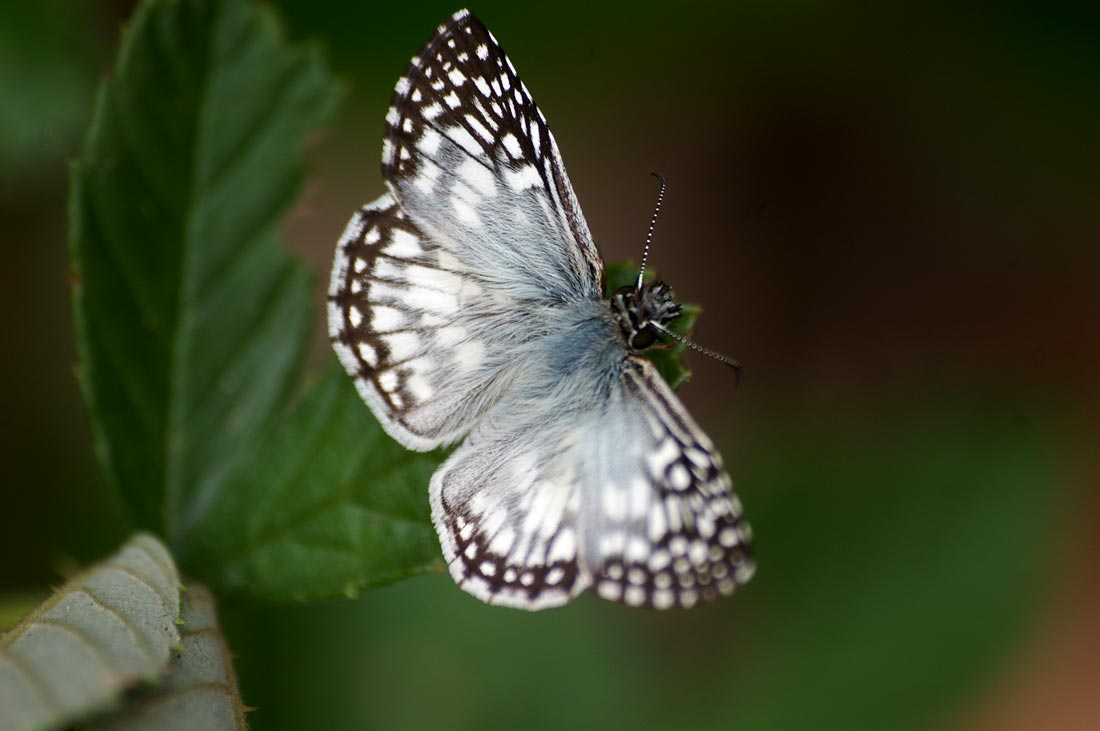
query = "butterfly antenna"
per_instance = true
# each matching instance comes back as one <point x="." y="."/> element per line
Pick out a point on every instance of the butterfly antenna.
<point x="735" y="365"/>
<point x="652" y="224"/>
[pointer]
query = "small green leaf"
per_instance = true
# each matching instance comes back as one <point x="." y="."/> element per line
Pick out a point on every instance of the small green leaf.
<point x="669" y="360"/>
<point x="190" y="319"/>
<point x="199" y="692"/>
<point x="329" y="504"/>
<point x="104" y="631"/>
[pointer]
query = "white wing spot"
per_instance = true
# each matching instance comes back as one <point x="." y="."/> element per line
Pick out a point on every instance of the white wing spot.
<point x="420" y="388"/>
<point x="728" y="537"/>
<point x="698" y="552"/>
<point x="402" y="346"/>
<point x="511" y="144"/>
<point x="564" y="547"/>
<point x="636" y="549"/>
<point x="469" y="355"/>
<point x="502" y="541"/>
<point x="387" y="381"/>
<point x="526" y="177"/>
<point x="429" y="142"/>
<point x="658" y="525"/>
<point x="368" y="354"/>
<point x="432" y="111"/>
<point x="465" y="140"/>
<point x="659" y="559"/>
<point x="404" y="244"/>
<point x="679" y="477"/>
<point x="609" y="590"/>
<point x="480" y="128"/>
<point x="465" y="211"/>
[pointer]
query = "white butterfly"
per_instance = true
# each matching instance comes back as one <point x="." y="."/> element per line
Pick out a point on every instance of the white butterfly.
<point x="467" y="301"/>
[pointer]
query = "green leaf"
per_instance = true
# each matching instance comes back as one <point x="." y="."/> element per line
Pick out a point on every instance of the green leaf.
<point x="670" y="359"/>
<point x="328" y="505"/>
<point x="190" y="319"/>
<point x="104" y="631"/>
<point x="199" y="692"/>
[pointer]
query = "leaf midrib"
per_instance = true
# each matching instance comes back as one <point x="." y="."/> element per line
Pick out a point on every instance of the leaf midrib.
<point x="171" y="434"/>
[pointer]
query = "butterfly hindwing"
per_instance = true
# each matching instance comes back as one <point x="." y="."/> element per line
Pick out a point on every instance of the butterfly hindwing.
<point x="608" y="487"/>
<point x="506" y="508"/>
<point x="662" y="527"/>
<point x="469" y="156"/>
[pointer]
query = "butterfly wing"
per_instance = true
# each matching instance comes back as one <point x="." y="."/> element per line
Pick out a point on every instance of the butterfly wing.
<point x="469" y="157"/>
<point x="614" y="488"/>
<point x="661" y="526"/>
<point x="414" y="328"/>
<point x="437" y="284"/>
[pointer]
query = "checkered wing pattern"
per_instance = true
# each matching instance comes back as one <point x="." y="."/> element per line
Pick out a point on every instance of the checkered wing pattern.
<point x="663" y="528"/>
<point x="469" y="157"/>
<point x="628" y="498"/>
<point x="415" y="328"/>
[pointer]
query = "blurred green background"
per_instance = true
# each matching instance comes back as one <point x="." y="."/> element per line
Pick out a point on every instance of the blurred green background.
<point x="889" y="214"/>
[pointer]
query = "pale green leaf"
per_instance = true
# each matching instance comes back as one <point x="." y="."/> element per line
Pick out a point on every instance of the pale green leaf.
<point x="104" y="631"/>
<point x="199" y="692"/>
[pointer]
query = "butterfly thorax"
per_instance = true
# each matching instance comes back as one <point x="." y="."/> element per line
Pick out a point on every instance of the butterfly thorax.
<point x="636" y="312"/>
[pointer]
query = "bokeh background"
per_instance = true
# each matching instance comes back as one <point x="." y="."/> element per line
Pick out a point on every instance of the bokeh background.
<point x="890" y="215"/>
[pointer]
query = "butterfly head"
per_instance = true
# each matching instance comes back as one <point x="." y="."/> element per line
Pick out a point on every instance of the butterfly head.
<point x="643" y="313"/>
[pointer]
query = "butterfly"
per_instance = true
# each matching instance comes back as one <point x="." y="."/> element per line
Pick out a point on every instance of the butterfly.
<point x="467" y="304"/>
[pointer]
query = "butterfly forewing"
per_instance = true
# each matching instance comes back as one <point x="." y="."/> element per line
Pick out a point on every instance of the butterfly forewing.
<point x="469" y="153"/>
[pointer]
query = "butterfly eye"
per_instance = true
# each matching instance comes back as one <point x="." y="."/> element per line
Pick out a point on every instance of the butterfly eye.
<point x="642" y="339"/>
